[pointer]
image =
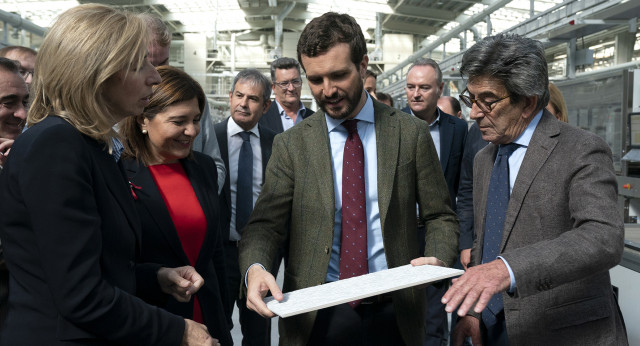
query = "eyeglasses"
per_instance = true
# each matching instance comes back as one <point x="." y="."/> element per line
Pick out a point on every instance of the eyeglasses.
<point x="484" y="106"/>
<point x="284" y="85"/>
<point x="25" y="73"/>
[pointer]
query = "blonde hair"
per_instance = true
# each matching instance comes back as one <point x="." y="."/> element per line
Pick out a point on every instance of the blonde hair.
<point x="86" y="46"/>
<point x="176" y="86"/>
<point x="556" y="100"/>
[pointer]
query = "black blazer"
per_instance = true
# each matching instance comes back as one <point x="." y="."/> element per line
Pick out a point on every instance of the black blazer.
<point x="272" y="120"/>
<point x="266" y="141"/>
<point x="71" y="237"/>
<point x="162" y="245"/>
<point x="453" y="134"/>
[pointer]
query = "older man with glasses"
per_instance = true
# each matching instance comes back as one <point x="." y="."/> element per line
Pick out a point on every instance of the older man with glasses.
<point x="546" y="213"/>
<point x="25" y="56"/>
<point x="288" y="110"/>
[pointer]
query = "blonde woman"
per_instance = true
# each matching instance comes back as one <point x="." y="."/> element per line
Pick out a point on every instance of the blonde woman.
<point x="68" y="223"/>
<point x="556" y="104"/>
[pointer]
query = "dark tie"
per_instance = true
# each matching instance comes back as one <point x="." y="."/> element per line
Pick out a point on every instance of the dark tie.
<point x="497" y="202"/>
<point x="244" y="187"/>
<point x="353" y="242"/>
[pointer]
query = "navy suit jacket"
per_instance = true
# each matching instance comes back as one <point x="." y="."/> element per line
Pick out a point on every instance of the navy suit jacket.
<point x="162" y="243"/>
<point x="71" y="236"/>
<point x="453" y="135"/>
<point x="273" y="121"/>
<point x="266" y="141"/>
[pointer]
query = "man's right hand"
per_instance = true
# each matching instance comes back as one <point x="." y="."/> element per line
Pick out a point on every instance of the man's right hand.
<point x="259" y="282"/>
<point x="467" y="326"/>
<point x="196" y="334"/>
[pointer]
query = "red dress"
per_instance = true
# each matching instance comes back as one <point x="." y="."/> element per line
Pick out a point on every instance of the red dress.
<point x="185" y="211"/>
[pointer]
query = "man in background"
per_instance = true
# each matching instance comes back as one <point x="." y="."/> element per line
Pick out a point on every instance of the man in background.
<point x="370" y="83"/>
<point x="25" y="56"/>
<point x="424" y="88"/>
<point x="14" y="97"/>
<point x="450" y="105"/>
<point x="288" y="109"/>
<point x="246" y="149"/>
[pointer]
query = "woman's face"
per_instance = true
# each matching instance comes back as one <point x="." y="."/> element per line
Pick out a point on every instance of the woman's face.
<point x="128" y="92"/>
<point x="171" y="132"/>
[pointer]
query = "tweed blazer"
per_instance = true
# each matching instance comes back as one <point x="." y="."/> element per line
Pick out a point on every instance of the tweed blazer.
<point x="297" y="205"/>
<point x="562" y="233"/>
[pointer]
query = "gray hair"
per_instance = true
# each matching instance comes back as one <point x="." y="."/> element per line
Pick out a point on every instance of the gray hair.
<point x="428" y="62"/>
<point x="517" y="62"/>
<point x="283" y="64"/>
<point x="158" y="28"/>
<point x="255" y="77"/>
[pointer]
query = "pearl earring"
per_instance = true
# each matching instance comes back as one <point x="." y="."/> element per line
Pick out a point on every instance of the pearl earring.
<point x="144" y="132"/>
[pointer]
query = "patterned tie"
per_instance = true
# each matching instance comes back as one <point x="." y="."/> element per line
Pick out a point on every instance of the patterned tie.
<point x="353" y="244"/>
<point x="244" y="187"/>
<point x="497" y="202"/>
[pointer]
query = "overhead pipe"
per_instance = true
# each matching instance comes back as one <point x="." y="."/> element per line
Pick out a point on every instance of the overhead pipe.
<point x="277" y="51"/>
<point x="18" y="22"/>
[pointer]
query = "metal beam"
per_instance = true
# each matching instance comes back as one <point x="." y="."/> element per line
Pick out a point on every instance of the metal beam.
<point x="425" y="12"/>
<point x="18" y="22"/>
<point x="417" y="29"/>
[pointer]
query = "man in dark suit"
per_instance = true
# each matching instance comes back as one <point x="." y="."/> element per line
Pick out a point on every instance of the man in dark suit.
<point x="14" y="94"/>
<point x="305" y="194"/>
<point x="287" y="110"/>
<point x="546" y="219"/>
<point x="424" y="88"/>
<point x="248" y="100"/>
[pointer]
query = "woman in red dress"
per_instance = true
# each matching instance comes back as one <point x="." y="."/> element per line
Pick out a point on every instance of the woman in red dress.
<point x="175" y="192"/>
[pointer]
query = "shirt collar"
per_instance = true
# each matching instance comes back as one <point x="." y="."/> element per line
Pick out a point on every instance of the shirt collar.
<point x="435" y="122"/>
<point x="525" y="136"/>
<point x="365" y="114"/>
<point x="281" y="109"/>
<point x="233" y="129"/>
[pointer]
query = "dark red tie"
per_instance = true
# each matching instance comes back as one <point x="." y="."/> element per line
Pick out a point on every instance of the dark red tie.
<point x="353" y="244"/>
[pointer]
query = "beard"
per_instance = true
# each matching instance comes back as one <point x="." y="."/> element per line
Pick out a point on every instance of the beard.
<point x="341" y="112"/>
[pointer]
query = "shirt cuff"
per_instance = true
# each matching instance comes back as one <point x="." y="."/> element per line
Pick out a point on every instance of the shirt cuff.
<point x="258" y="264"/>
<point x="512" y="287"/>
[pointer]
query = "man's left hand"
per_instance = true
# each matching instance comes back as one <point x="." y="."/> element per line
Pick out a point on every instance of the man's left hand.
<point x="420" y="261"/>
<point x="181" y="282"/>
<point x="476" y="286"/>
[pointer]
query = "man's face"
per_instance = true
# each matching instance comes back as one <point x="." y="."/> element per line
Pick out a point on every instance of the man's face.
<point x="444" y="103"/>
<point x="506" y="121"/>
<point x="27" y="64"/>
<point x="370" y="86"/>
<point x="158" y="55"/>
<point x="423" y="91"/>
<point x="335" y="82"/>
<point x="288" y="96"/>
<point x="14" y="97"/>
<point x="247" y="104"/>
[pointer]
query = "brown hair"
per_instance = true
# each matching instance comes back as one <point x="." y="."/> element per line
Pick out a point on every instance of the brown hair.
<point x="176" y="86"/>
<point x="326" y="31"/>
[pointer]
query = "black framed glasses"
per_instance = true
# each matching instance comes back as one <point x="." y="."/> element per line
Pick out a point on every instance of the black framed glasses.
<point x="484" y="106"/>
<point x="25" y="73"/>
<point x="284" y="85"/>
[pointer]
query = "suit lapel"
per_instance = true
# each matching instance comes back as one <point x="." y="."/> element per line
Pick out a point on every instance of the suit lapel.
<point x="540" y="147"/>
<point x="116" y="180"/>
<point x="265" y="146"/>
<point x="197" y="181"/>
<point x="317" y="150"/>
<point x="153" y="202"/>
<point x="387" y="144"/>
<point x="446" y="137"/>
<point x="221" y="135"/>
